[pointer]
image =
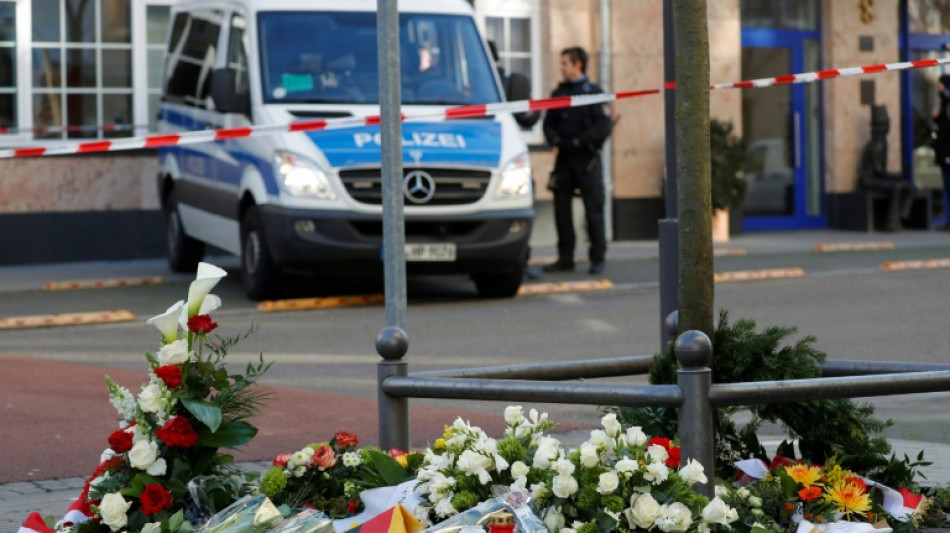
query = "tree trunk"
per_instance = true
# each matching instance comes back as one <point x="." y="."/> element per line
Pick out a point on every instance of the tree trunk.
<point x="694" y="192"/>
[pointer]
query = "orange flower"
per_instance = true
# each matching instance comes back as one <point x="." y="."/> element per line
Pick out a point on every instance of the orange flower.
<point x="855" y="480"/>
<point x="809" y="494"/>
<point x="789" y="507"/>
<point x="806" y="475"/>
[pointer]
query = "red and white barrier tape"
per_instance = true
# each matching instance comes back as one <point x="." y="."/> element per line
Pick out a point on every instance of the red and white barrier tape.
<point x="460" y="112"/>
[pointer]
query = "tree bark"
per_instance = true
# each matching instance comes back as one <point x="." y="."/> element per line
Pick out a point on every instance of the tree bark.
<point x="694" y="190"/>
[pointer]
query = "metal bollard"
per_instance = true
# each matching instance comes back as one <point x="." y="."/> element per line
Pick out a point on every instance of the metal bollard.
<point x="672" y="326"/>
<point x="392" y="344"/>
<point x="694" y="352"/>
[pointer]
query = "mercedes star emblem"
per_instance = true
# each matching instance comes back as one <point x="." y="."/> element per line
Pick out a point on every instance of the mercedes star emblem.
<point x="418" y="186"/>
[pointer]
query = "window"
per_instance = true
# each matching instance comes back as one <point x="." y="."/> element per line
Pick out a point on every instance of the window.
<point x="7" y="65"/>
<point x="787" y="14"/>
<point x="71" y="42"/>
<point x="156" y="24"/>
<point x="191" y="54"/>
<point x="513" y="26"/>
<point x="237" y="55"/>
<point x="929" y="16"/>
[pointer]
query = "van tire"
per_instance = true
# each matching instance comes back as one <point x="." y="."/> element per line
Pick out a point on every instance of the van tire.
<point x="184" y="252"/>
<point x="262" y="279"/>
<point x="501" y="284"/>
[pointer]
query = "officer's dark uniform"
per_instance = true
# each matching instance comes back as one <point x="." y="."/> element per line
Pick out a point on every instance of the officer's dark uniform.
<point x="578" y="133"/>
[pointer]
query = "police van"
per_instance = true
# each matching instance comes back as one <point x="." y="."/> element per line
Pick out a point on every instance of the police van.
<point x="311" y="201"/>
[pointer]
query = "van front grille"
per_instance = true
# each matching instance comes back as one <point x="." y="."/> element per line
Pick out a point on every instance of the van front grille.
<point x="452" y="186"/>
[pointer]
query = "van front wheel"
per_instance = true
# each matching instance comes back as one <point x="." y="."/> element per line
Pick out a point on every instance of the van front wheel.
<point x="184" y="253"/>
<point x="260" y="276"/>
<point x="502" y="284"/>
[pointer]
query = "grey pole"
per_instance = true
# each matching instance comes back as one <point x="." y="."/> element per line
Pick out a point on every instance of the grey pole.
<point x="694" y="352"/>
<point x="392" y="344"/>
<point x="669" y="225"/>
<point x="394" y="226"/>
<point x="605" y="82"/>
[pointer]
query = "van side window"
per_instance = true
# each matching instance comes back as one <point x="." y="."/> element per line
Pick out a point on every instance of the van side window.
<point x="191" y="55"/>
<point x="237" y="55"/>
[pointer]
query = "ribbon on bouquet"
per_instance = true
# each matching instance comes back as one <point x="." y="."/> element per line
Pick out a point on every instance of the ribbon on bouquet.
<point x="75" y="514"/>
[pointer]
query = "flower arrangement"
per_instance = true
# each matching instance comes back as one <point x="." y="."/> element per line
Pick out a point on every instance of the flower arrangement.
<point x="616" y="481"/>
<point x="163" y="464"/>
<point x="330" y="475"/>
<point x="792" y="492"/>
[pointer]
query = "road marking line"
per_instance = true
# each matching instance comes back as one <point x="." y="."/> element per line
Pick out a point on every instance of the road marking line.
<point x="302" y="304"/>
<point x="565" y="286"/>
<point x="919" y="264"/>
<point x="102" y="283"/>
<point x="751" y="275"/>
<point x="853" y="246"/>
<point x="68" y="319"/>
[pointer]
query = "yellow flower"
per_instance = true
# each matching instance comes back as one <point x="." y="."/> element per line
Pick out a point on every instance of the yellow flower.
<point x="836" y="475"/>
<point x="806" y="475"/>
<point x="848" y="498"/>
<point x="447" y="433"/>
<point x="439" y="444"/>
<point x="403" y="460"/>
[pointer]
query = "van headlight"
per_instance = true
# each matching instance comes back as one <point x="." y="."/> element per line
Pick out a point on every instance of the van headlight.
<point x="301" y="177"/>
<point x="515" y="179"/>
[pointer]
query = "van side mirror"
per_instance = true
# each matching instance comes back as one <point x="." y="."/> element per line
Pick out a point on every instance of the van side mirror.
<point x="224" y="94"/>
<point x="518" y="87"/>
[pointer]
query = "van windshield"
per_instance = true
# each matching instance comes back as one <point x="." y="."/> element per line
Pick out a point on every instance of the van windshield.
<point x="330" y="57"/>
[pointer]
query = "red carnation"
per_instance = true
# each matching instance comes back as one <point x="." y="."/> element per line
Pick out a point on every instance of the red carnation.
<point x="170" y="374"/>
<point x="154" y="499"/>
<point x="674" y="459"/>
<point x="352" y="507"/>
<point x="178" y="432"/>
<point x="395" y="452"/>
<point x="659" y="441"/>
<point x="201" y="324"/>
<point x="345" y="439"/>
<point x="120" y="441"/>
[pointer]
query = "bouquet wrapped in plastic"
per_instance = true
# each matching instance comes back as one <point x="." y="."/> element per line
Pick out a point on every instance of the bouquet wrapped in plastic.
<point x="250" y="514"/>
<point x="480" y="515"/>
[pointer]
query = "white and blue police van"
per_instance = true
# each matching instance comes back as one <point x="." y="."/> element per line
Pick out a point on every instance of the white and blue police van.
<point x="311" y="201"/>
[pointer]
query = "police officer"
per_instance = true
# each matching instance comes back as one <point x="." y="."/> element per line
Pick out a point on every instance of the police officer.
<point x="578" y="133"/>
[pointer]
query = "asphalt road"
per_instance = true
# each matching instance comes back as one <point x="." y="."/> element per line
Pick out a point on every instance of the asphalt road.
<point x="855" y="310"/>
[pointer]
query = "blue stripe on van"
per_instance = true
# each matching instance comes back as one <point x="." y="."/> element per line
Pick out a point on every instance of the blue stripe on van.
<point x="475" y="143"/>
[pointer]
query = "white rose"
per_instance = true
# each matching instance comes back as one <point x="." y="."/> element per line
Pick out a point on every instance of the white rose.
<point x="755" y="501"/>
<point x="636" y="437"/>
<point x="514" y="414"/>
<point x="611" y="424"/>
<point x="589" y="456"/>
<point x="676" y="518"/>
<point x="174" y="353"/>
<point x="445" y="509"/>
<point x="158" y="468"/>
<point x="657" y="473"/>
<point x="107" y="454"/>
<point x="554" y="519"/>
<point x="657" y="453"/>
<point x="152" y="527"/>
<point x="151" y="399"/>
<point x="563" y="486"/>
<point x="608" y="483"/>
<point x="692" y="473"/>
<point x="743" y="493"/>
<point x="112" y="510"/>
<point x="599" y="438"/>
<point x="717" y="512"/>
<point x="539" y="490"/>
<point x="546" y="453"/>
<point x="518" y="469"/>
<point x="627" y="466"/>
<point x="643" y="511"/>
<point x="564" y="467"/>
<point x="143" y="454"/>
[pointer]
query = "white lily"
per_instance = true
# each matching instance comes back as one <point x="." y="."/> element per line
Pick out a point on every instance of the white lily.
<point x="167" y="322"/>
<point x="208" y="276"/>
<point x="211" y="303"/>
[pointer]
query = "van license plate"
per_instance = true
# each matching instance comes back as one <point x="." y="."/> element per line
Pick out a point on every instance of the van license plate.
<point x="431" y="252"/>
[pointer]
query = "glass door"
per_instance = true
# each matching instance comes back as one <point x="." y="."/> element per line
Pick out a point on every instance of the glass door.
<point x="782" y="129"/>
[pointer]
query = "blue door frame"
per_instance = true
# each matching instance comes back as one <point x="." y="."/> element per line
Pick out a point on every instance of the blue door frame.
<point x="794" y="41"/>
<point x="910" y="43"/>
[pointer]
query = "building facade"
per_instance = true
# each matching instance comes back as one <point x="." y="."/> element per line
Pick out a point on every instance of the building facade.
<point x="73" y="69"/>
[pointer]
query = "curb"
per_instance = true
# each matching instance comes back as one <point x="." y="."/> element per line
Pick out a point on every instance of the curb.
<point x="565" y="286"/>
<point x="919" y="264"/>
<point x="102" y="284"/>
<point x="753" y="275"/>
<point x="69" y="319"/>
<point x="303" y="304"/>
<point x="854" y="246"/>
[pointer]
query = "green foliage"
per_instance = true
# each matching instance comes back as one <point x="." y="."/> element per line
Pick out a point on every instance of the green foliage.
<point x="727" y="155"/>
<point x="273" y="482"/>
<point x="511" y="449"/>
<point x="847" y="430"/>
<point x="465" y="500"/>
